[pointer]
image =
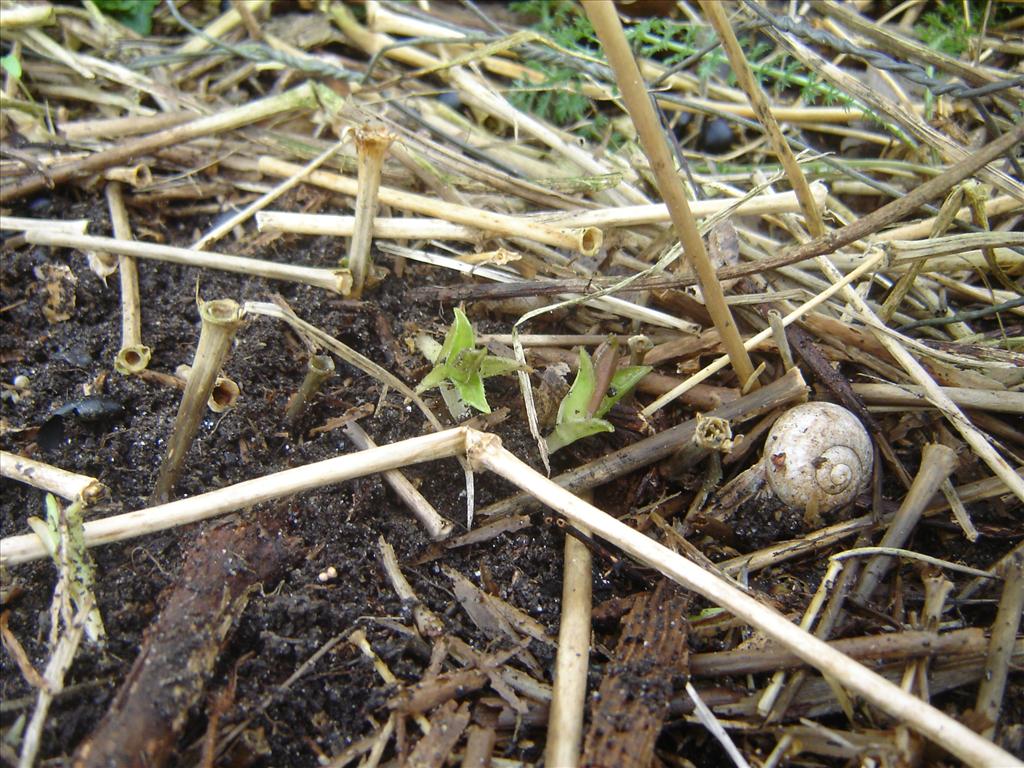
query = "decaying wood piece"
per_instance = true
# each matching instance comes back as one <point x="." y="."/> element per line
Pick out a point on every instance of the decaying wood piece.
<point x="181" y="647"/>
<point x="898" y="645"/>
<point x="633" y="699"/>
<point x="446" y="727"/>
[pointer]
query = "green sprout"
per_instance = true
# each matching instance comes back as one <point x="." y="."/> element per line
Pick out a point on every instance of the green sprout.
<point x="460" y="364"/>
<point x="580" y="412"/>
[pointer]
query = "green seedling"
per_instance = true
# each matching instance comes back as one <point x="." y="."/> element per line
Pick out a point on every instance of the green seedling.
<point x="460" y="368"/>
<point x="591" y="396"/>
<point x="63" y="534"/>
<point x="137" y="15"/>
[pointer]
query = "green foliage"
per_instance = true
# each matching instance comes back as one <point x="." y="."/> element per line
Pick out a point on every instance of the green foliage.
<point x="465" y="367"/>
<point x="574" y="420"/>
<point x="558" y="98"/>
<point x="137" y="15"/>
<point x="11" y="65"/>
<point x="945" y="28"/>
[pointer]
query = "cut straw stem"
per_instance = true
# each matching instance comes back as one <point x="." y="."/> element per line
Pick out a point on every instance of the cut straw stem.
<point x="318" y="370"/>
<point x="15" y="16"/>
<point x="372" y="144"/>
<point x="587" y="240"/>
<point x="606" y="23"/>
<point x="716" y="13"/>
<point x="221" y="319"/>
<point x="70" y="226"/>
<point x="68" y="485"/>
<point x="385" y="227"/>
<point x="657" y="213"/>
<point x="1000" y="649"/>
<point x="903" y="395"/>
<point x="134" y="356"/>
<point x="438" y="445"/>
<point x="119" y="127"/>
<point x="328" y="279"/>
<point x="569" y="690"/>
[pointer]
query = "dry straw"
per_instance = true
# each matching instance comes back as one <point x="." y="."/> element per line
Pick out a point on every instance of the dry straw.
<point x="221" y="319"/>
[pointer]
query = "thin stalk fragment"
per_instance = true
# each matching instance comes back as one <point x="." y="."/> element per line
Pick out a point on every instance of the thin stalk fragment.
<point x="221" y="319"/>
<point x="61" y="482"/>
<point x="606" y="23"/>
<point x="133" y="356"/>
<point x="437" y="527"/>
<point x="569" y="690"/>
<point x="1000" y="649"/>
<point x="937" y="463"/>
<point x="328" y="279"/>
<point x="372" y="144"/>
<point x="318" y="370"/>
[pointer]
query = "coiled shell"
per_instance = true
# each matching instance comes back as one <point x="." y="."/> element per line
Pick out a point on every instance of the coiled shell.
<point x="817" y="456"/>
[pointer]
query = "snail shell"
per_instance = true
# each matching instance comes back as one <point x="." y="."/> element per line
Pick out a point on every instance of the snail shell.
<point x="817" y="455"/>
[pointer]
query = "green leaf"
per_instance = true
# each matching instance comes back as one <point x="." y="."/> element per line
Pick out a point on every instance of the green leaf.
<point x="438" y="374"/>
<point x="571" y="431"/>
<point x="492" y="365"/>
<point x="623" y="380"/>
<point x="459" y="362"/>
<point x="459" y="338"/>
<point x="11" y="65"/>
<point x="574" y="405"/>
<point x="466" y="364"/>
<point x="472" y="391"/>
<point x="572" y="423"/>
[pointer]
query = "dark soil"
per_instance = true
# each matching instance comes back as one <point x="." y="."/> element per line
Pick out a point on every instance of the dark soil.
<point x="337" y="526"/>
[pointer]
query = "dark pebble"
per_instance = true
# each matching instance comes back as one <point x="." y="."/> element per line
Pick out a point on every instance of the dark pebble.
<point x="716" y="136"/>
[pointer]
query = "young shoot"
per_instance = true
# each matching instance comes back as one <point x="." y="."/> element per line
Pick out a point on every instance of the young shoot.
<point x="593" y="393"/>
<point x="460" y="368"/>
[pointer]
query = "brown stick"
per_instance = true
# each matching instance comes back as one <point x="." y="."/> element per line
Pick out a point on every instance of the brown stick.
<point x="900" y="645"/>
<point x="634" y="695"/>
<point x="181" y="648"/>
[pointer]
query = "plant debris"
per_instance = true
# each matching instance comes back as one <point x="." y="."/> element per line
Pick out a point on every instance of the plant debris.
<point x="821" y="207"/>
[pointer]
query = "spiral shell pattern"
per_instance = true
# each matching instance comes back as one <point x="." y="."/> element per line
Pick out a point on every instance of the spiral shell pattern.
<point x="817" y="454"/>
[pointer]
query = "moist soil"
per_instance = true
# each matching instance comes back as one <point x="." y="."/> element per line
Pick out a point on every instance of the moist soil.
<point x="339" y="525"/>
